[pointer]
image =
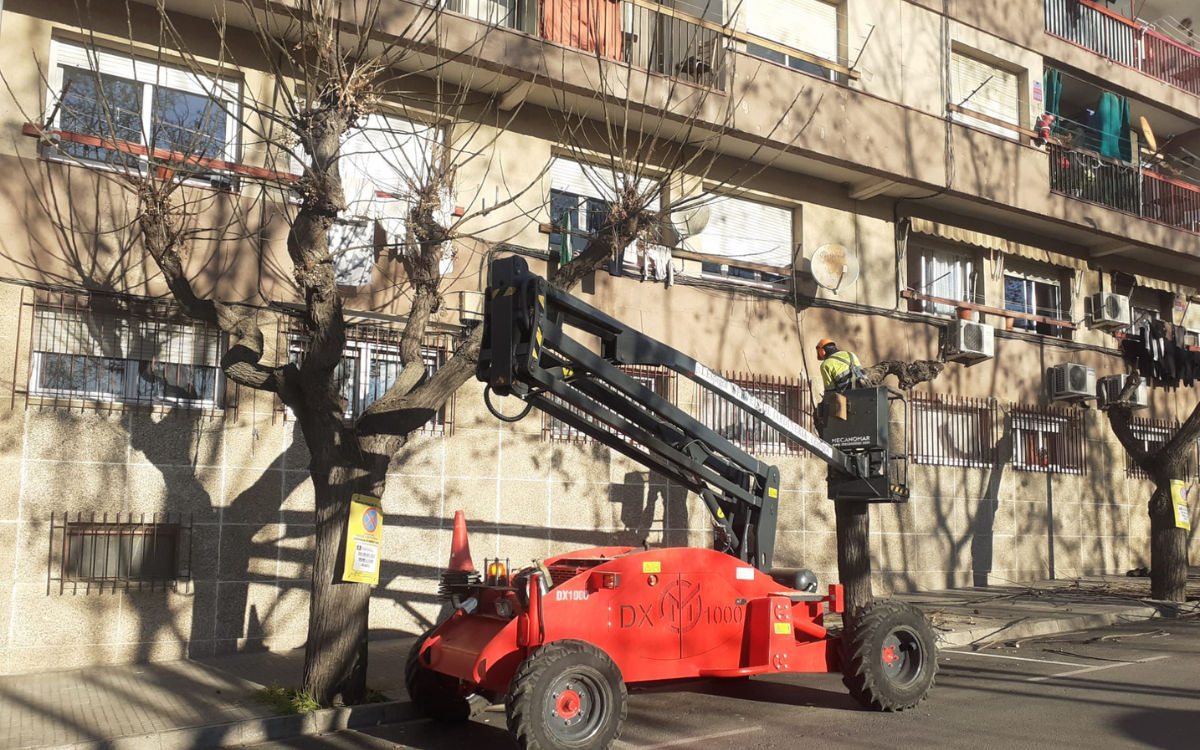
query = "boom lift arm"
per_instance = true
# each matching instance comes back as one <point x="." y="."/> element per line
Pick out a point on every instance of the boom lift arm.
<point x="528" y="352"/>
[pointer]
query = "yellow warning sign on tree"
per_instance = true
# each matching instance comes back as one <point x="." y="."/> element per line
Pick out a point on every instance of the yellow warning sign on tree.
<point x="1179" y="501"/>
<point x="364" y="539"/>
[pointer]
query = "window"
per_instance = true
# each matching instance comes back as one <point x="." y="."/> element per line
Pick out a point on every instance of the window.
<point x="1145" y="304"/>
<point x="123" y="551"/>
<point x="139" y="102"/>
<point x="580" y="198"/>
<point x="791" y="397"/>
<point x="1154" y="434"/>
<point x="945" y="275"/>
<point x="661" y="381"/>
<point x="1048" y="440"/>
<point x="954" y="431"/>
<point x="987" y="89"/>
<point x="370" y="366"/>
<point x="1029" y="289"/>
<point x="122" y="351"/>
<point x="379" y="162"/>
<point x="750" y="233"/>
<point x="807" y="25"/>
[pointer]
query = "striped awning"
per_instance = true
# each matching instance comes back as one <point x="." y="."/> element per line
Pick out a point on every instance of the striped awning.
<point x="999" y="244"/>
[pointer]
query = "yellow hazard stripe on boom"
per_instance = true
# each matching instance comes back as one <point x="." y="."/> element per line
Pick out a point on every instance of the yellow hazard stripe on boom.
<point x="539" y="336"/>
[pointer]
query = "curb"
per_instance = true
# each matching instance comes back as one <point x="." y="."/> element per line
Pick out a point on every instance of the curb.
<point x="1030" y="628"/>
<point x="253" y="731"/>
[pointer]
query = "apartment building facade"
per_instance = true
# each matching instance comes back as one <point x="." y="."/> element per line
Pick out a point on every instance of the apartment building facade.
<point x="1010" y="187"/>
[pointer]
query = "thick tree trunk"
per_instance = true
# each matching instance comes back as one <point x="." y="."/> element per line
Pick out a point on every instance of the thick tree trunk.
<point x="854" y="555"/>
<point x="1168" y="548"/>
<point x="335" y="656"/>
<point x="1168" y="544"/>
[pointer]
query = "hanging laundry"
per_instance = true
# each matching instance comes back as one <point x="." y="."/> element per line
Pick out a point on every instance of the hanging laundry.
<point x="656" y="259"/>
<point x="589" y="25"/>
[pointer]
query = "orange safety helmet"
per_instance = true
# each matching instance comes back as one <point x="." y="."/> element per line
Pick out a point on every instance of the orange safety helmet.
<point x="821" y="353"/>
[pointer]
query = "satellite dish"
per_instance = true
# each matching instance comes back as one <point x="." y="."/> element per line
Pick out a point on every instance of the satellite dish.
<point x="690" y="222"/>
<point x="1148" y="132"/>
<point x="833" y="267"/>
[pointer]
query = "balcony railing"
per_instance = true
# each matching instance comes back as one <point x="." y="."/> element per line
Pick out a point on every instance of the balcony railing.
<point x="1168" y="60"/>
<point x="1125" y="41"/>
<point x="645" y="34"/>
<point x="1094" y="178"/>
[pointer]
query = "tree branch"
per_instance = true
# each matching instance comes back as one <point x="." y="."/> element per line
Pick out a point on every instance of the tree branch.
<point x="160" y="221"/>
<point x="909" y="374"/>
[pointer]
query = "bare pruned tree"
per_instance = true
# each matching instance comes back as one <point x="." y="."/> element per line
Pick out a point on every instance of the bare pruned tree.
<point x="1170" y="461"/>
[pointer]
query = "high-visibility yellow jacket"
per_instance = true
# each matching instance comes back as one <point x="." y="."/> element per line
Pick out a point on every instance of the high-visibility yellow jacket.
<point x="838" y="371"/>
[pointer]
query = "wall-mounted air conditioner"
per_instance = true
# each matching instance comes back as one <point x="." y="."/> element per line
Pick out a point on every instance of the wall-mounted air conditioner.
<point x="1109" y="311"/>
<point x="968" y="341"/>
<point x="470" y="308"/>
<point x="1072" y="382"/>
<point x="1109" y="387"/>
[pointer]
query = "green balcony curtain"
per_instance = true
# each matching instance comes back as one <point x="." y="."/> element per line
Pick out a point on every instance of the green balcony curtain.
<point x="1112" y="120"/>
<point x="1053" y="92"/>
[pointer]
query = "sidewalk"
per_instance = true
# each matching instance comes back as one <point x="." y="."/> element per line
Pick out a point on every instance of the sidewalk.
<point x="204" y="704"/>
<point x="181" y="704"/>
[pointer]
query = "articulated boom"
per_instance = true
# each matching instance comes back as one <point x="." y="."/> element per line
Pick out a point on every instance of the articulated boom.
<point x="527" y="352"/>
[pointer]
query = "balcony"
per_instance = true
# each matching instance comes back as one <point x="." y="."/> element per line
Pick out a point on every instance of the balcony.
<point x="1132" y="188"/>
<point x="1126" y="41"/>
<point x="652" y="36"/>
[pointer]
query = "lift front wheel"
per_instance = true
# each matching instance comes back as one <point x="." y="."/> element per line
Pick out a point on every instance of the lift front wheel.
<point x="566" y="695"/>
<point x="437" y="695"/>
<point x="890" y="659"/>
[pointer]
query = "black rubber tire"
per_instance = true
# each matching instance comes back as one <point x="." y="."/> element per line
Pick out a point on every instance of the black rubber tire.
<point x="898" y="632"/>
<point x="436" y="695"/>
<point x="530" y="701"/>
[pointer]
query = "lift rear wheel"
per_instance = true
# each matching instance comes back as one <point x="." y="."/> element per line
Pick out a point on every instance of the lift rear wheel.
<point x="437" y="695"/>
<point x="890" y="660"/>
<point x="567" y="694"/>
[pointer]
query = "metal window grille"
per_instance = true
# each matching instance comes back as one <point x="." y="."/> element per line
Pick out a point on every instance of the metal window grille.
<point x="663" y="382"/>
<point x="1048" y="439"/>
<point x="789" y="395"/>
<point x="370" y="365"/>
<point x="113" y="350"/>
<point x="954" y="430"/>
<point x="122" y="552"/>
<point x="1154" y="434"/>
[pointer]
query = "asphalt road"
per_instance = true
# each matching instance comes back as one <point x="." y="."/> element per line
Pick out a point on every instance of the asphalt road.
<point x="1133" y="686"/>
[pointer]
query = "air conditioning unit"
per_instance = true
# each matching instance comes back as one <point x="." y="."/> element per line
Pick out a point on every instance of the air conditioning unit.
<point x="1109" y="311"/>
<point x="1071" y="382"/>
<point x="470" y="308"/>
<point x="1109" y="387"/>
<point x="968" y="341"/>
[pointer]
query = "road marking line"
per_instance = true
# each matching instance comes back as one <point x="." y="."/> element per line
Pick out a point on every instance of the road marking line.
<point x="1095" y="669"/>
<point x="1014" y="658"/>
<point x="690" y="740"/>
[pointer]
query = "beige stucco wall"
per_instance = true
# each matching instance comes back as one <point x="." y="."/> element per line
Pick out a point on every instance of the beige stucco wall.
<point x="241" y="473"/>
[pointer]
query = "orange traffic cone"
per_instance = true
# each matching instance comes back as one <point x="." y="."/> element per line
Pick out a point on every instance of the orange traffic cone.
<point x="460" y="549"/>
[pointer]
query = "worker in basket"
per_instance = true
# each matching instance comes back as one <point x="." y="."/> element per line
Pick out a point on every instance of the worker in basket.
<point x="840" y="372"/>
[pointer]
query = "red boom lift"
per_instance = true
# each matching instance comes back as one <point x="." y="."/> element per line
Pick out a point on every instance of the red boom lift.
<point x="561" y="639"/>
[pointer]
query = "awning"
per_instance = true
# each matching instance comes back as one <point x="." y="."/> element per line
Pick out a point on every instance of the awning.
<point x="999" y="244"/>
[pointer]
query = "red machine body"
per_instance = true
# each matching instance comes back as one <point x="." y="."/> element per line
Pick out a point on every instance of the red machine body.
<point x="660" y="615"/>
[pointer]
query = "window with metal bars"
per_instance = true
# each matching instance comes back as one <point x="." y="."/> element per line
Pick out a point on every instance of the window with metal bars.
<point x="663" y="382"/>
<point x="1048" y="439"/>
<point x="1154" y="434"/>
<point x="121" y="350"/>
<point x="954" y="430"/>
<point x="790" y="396"/>
<point x="371" y="364"/>
<point x="122" y="551"/>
